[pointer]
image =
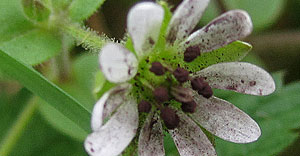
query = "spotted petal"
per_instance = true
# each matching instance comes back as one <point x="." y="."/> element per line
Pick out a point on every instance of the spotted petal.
<point x="117" y="63"/>
<point x="112" y="138"/>
<point x="190" y="140"/>
<point x="185" y="18"/>
<point x="151" y="137"/>
<point x="240" y="77"/>
<point x="224" y="120"/>
<point x="143" y="23"/>
<point x="107" y="104"/>
<point x="229" y="27"/>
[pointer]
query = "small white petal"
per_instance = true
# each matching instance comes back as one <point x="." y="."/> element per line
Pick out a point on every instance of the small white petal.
<point x="224" y="120"/>
<point x="190" y="140"/>
<point x="107" y="104"/>
<point x="151" y="139"/>
<point x="185" y="18"/>
<point x="228" y="27"/>
<point x="112" y="138"/>
<point x="117" y="63"/>
<point x="240" y="77"/>
<point x="143" y="23"/>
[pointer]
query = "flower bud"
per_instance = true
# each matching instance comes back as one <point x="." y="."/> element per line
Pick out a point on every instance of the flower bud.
<point x="161" y="94"/>
<point x="169" y="117"/>
<point x="157" y="68"/>
<point x="144" y="106"/>
<point x="181" y="75"/>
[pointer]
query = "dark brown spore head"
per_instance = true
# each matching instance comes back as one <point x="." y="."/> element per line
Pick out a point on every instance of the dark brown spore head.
<point x="181" y="75"/>
<point x="191" y="53"/>
<point x="198" y="83"/>
<point x="157" y="68"/>
<point x="144" y="106"/>
<point x="206" y="92"/>
<point x="161" y="94"/>
<point x="169" y="117"/>
<point x="189" y="107"/>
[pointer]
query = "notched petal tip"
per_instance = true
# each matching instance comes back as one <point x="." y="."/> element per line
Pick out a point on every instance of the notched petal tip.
<point x="143" y="23"/>
<point x="225" y="29"/>
<point x="117" y="63"/>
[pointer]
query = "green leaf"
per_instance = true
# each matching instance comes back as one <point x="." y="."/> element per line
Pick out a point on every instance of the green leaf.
<point x="232" y="52"/>
<point x="49" y="92"/>
<point x="35" y="10"/>
<point x="84" y="69"/>
<point x="33" y="47"/>
<point x="81" y="9"/>
<point x="264" y="13"/>
<point x="278" y="115"/>
<point x="21" y="39"/>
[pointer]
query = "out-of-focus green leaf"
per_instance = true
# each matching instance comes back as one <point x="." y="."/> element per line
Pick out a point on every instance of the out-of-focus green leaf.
<point x="232" y="52"/>
<point x="49" y="92"/>
<point x="264" y="13"/>
<point x="81" y="9"/>
<point x="84" y="69"/>
<point x="12" y="19"/>
<point x="278" y="115"/>
<point x="33" y="47"/>
<point x="21" y="39"/>
<point x="35" y="10"/>
<point x="170" y="148"/>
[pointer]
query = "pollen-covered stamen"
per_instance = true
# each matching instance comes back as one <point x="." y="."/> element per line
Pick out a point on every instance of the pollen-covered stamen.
<point x="161" y="94"/>
<point x="169" y="117"/>
<point x="182" y="94"/>
<point x="189" y="107"/>
<point x="144" y="106"/>
<point x="181" y="75"/>
<point x="191" y="53"/>
<point x="201" y="87"/>
<point x="157" y="68"/>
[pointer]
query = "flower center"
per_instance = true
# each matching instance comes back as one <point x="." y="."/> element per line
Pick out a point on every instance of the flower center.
<point x="161" y="87"/>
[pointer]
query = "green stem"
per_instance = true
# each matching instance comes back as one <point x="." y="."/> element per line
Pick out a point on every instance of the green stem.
<point x="63" y="61"/>
<point x="86" y="37"/>
<point x="16" y="130"/>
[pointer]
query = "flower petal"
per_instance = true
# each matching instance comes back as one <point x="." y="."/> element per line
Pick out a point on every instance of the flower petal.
<point x="117" y="63"/>
<point x="151" y="139"/>
<point x="228" y="27"/>
<point x="107" y="104"/>
<point x="240" y="77"/>
<point x="189" y="138"/>
<point x="116" y="134"/>
<point x="224" y="120"/>
<point x="185" y="18"/>
<point x="143" y="23"/>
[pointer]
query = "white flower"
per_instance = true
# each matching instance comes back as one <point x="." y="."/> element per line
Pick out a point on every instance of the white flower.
<point x="217" y="116"/>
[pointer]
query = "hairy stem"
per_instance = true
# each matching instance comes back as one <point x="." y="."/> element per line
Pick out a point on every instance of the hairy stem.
<point x="86" y="37"/>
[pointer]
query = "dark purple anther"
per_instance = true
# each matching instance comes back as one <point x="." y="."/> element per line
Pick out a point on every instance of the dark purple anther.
<point x="157" y="68"/>
<point x="181" y="75"/>
<point x="191" y="53"/>
<point x="189" y="107"/>
<point x="169" y="117"/>
<point x="198" y="83"/>
<point x="144" y="106"/>
<point x="161" y="94"/>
